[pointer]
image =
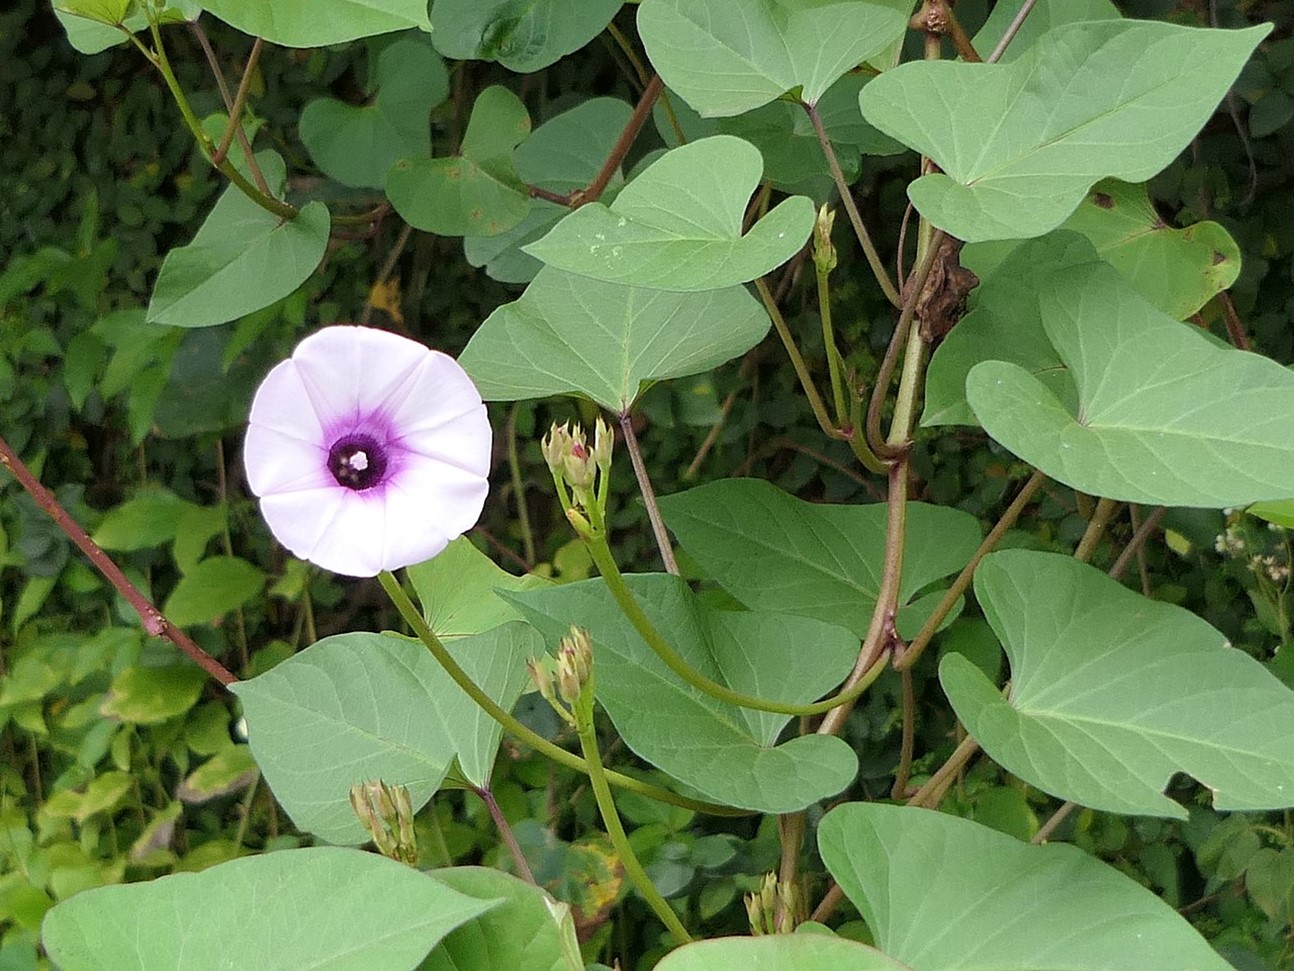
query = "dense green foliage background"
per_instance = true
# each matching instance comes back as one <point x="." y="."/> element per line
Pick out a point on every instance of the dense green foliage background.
<point x="121" y="765"/>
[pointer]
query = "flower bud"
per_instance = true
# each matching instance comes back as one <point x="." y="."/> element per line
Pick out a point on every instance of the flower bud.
<point x="824" y="252"/>
<point x="574" y="663"/>
<point x="387" y="813"/>
<point x="555" y="446"/>
<point x="603" y="443"/>
<point x="578" y="465"/>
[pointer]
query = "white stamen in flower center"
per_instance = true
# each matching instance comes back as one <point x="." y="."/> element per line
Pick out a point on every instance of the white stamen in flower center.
<point x="358" y="461"/>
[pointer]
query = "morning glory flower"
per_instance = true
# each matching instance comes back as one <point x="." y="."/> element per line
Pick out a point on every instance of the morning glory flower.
<point x="368" y="451"/>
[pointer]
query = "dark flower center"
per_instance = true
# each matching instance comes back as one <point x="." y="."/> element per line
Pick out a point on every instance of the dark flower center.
<point x="357" y="462"/>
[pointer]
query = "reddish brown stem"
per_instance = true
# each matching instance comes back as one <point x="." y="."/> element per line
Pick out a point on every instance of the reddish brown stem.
<point x="155" y="623"/>
<point x="625" y="142"/>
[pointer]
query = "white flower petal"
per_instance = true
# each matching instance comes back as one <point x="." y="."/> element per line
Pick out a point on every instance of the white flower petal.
<point x="447" y="497"/>
<point x="352" y="371"/>
<point x="281" y="462"/>
<point x="345" y="380"/>
<point x="464" y="442"/>
<point x="282" y="403"/>
<point x="298" y="520"/>
<point x="438" y="393"/>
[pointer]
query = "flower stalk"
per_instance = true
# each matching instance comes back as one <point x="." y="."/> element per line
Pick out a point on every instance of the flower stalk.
<point x="407" y="610"/>
<point x="590" y="525"/>
<point x="585" y="728"/>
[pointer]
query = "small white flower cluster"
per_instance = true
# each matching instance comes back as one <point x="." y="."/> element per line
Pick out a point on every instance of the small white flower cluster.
<point x="1277" y="570"/>
<point x="1230" y="542"/>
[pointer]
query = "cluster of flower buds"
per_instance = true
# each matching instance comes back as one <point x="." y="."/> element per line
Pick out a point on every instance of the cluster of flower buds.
<point x="772" y="908"/>
<point x="562" y="680"/>
<point x="581" y="473"/>
<point x="387" y="814"/>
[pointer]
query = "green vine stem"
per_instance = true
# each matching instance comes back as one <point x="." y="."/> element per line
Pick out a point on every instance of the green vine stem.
<point x="835" y="364"/>
<point x="518" y="483"/>
<point x="595" y="542"/>
<point x="1104" y="512"/>
<point x="880" y="629"/>
<point x="587" y="732"/>
<point x="648" y="494"/>
<point x="157" y="57"/>
<point x="854" y="437"/>
<point x="505" y="832"/>
<point x="855" y="219"/>
<point x="914" y="287"/>
<point x="414" y="619"/>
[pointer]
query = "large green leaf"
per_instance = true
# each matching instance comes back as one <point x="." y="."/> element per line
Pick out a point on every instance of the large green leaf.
<point x="571" y="335"/>
<point x="476" y="192"/>
<point x="337" y="714"/>
<point x="1112" y="693"/>
<point x="243" y="258"/>
<point x="1045" y="15"/>
<point x="729" y="56"/>
<point x="775" y="552"/>
<point x="308" y="23"/>
<point x="1164" y="416"/>
<point x="1178" y="270"/>
<point x="456" y="589"/>
<point x="527" y="930"/>
<point x="729" y="754"/>
<point x="294" y="910"/>
<point x="358" y="144"/>
<point x="564" y="154"/>
<point x="1020" y="143"/>
<point x="1003" y="324"/>
<point x="947" y="894"/>
<point x="522" y="35"/>
<point x="778" y="952"/>
<point x="793" y="158"/>
<point x="92" y="35"/>
<point x="677" y="226"/>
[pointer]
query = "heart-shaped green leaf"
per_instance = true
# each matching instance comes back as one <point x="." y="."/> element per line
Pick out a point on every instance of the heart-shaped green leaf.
<point x="523" y="35"/>
<point x="729" y="56"/>
<point x="1003" y="324"/>
<point x="564" y="154"/>
<point x="1019" y="144"/>
<point x="1178" y="270"/>
<point x="775" y="552"/>
<point x="358" y="144"/>
<point x="996" y="902"/>
<point x="350" y="911"/>
<point x="305" y="23"/>
<point x="677" y="226"/>
<point x="793" y="158"/>
<point x="242" y="259"/>
<point x="1111" y="694"/>
<point x="729" y="754"/>
<point x="779" y="952"/>
<point x="1164" y="415"/>
<point x="1278" y="511"/>
<point x="456" y="589"/>
<point x="526" y="930"/>
<point x="335" y="715"/>
<point x="107" y="12"/>
<point x="571" y="335"/>
<point x="477" y="192"/>
<point x="1044" y="15"/>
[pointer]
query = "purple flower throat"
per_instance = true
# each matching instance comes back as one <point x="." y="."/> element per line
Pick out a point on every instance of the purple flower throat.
<point x="357" y="461"/>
